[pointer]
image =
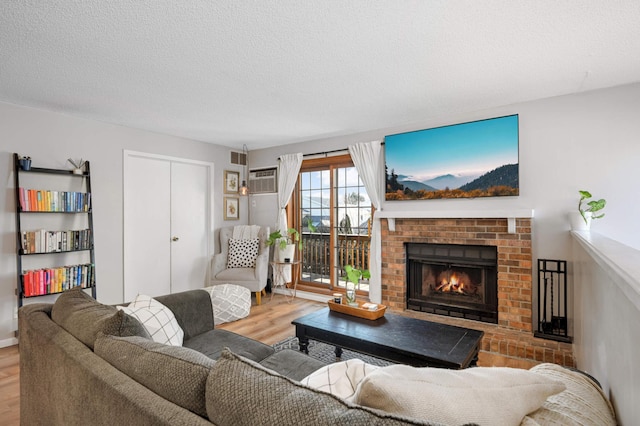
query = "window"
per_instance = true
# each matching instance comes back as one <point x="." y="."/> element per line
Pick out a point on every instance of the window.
<point x="333" y="212"/>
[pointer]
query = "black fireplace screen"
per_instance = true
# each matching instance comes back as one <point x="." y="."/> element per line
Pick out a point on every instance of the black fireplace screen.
<point x="453" y="280"/>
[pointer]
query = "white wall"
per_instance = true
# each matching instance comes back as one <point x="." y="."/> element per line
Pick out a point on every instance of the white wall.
<point x="607" y="320"/>
<point x="49" y="139"/>
<point x="584" y="141"/>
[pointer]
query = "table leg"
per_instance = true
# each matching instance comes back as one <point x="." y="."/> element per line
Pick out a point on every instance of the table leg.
<point x="474" y="360"/>
<point x="338" y="352"/>
<point x="304" y="344"/>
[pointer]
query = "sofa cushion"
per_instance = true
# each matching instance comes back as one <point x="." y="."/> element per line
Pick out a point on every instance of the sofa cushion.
<point x="122" y="325"/>
<point x="482" y="395"/>
<point x="242" y="253"/>
<point x="81" y="315"/>
<point x="292" y="364"/>
<point x="583" y="402"/>
<point x="213" y="342"/>
<point x="159" y="321"/>
<point x="175" y="373"/>
<point x="192" y="309"/>
<point x="241" y="392"/>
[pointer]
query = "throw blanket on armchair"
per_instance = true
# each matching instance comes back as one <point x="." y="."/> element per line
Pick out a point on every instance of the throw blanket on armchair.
<point x="245" y="232"/>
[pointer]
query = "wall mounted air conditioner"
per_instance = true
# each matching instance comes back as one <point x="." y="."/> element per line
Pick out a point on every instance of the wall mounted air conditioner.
<point x="263" y="181"/>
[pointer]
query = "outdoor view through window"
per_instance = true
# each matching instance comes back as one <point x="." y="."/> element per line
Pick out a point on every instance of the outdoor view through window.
<point x="335" y="220"/>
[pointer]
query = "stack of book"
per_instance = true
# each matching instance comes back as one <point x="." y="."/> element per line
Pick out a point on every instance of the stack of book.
<point x="55" y="280"/>
<point x="41" y="241"/>
<point x="41" y="200"/>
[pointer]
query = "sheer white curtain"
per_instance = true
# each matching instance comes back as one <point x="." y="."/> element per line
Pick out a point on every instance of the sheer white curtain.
<point x="367" y="157"/>
<point x="288" y="169"/>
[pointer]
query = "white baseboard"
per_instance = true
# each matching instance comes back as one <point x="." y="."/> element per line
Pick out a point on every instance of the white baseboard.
<point x="303" y="294"/>
<point x="8" y="342"/>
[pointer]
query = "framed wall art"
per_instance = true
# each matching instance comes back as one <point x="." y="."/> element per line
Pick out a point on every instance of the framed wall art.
<point x="231" y="182"/>
<point x="231" y="208"/>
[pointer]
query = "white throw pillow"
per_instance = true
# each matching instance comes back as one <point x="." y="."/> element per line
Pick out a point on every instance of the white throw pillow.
<point x="242" y="253"/>
<point x="340" y="378"/>
<point x="483" y="395"/>
<point x="157" y="319"/>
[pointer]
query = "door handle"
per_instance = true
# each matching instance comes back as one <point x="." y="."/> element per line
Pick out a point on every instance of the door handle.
<point x="174" y="239"/>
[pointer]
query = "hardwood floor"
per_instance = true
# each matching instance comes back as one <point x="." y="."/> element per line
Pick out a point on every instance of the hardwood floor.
<point x="9" y="386"/>
<point x="269" y="323"/>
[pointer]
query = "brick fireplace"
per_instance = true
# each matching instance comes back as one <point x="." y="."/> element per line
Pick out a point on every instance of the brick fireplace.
<point x="512" y="335"/>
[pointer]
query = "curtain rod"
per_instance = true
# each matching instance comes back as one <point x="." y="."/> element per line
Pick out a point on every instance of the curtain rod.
<point x="323" y="153"/>
<point x="328" y="152"/>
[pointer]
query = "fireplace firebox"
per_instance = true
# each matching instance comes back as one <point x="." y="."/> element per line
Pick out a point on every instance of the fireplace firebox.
<point x="453" y="280"/>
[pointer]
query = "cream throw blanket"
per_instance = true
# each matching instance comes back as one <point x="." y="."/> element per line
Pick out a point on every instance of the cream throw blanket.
<point x="245" y="232"/>
<point x="548" y="393"/>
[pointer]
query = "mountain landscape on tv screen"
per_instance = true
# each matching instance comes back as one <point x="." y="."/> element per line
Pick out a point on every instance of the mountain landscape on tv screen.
<point x="501" y="181"/>
<point x="465" y="160"/>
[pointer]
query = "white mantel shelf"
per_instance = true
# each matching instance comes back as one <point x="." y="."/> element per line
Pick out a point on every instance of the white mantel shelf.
<point x="453" y="214"/>
<point x="509" y="214"/>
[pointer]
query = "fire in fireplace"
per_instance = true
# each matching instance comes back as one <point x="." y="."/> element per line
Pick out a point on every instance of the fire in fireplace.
<point x="453" y="280"/>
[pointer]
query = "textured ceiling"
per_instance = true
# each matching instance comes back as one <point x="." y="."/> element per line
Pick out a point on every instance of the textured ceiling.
<point x="273" y="72"/>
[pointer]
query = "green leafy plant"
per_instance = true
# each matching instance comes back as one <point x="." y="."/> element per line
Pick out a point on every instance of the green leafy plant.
<point x="354" y="274"/>
<point x="291" y="237"/>
<point x="76" y="164"/>
<point x="592" y="206"/>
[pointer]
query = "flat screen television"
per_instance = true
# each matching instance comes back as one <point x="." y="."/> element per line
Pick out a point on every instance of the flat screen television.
<point x="466" y="160"/>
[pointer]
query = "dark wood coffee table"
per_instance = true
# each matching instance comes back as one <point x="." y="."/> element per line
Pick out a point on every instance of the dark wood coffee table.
<point x="393" y="337"/>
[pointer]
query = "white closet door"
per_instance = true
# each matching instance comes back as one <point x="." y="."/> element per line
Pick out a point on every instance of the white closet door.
<point x="147" y="227"/>
<point x="189" y="248"/>
<point x="168" y="226"/>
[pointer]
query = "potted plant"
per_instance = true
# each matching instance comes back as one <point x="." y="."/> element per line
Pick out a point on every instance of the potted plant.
<point x="285" y="243"/>
<point x="353" y="278"/>
<point x="587" y="210"/>
<point x="78" y="166"/>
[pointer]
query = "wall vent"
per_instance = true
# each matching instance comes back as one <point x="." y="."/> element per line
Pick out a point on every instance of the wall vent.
<point x="263" y="181"/>
<point x="239" y="158"/>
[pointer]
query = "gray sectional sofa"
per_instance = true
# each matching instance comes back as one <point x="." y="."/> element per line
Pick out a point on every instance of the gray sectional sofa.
<point x="85" y="363"/>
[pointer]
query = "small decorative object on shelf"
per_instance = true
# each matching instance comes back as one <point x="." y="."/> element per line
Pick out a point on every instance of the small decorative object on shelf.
<point x="581" y="220"/>
<point x="593" y="207"/>
<point x="78" y="166"/>
<point x="25" y="163"/>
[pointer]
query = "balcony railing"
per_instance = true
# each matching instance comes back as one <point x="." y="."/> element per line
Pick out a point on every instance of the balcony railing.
<point x="352" y="249"/>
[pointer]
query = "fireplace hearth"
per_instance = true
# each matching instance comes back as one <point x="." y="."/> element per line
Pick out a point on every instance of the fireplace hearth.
<point x="453" y="280"/>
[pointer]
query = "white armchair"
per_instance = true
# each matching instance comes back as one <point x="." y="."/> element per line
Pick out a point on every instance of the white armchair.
<point x="255" y="279"/>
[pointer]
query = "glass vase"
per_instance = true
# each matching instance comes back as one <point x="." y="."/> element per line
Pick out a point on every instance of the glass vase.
<point x="351" y="293"/>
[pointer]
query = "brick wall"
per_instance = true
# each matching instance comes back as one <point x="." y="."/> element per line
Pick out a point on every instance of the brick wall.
<point x="512" y="336"/>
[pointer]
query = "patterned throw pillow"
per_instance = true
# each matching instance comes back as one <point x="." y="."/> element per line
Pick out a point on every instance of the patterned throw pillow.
<point x="157" y="319"/>
<point x="242" y="253"/>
